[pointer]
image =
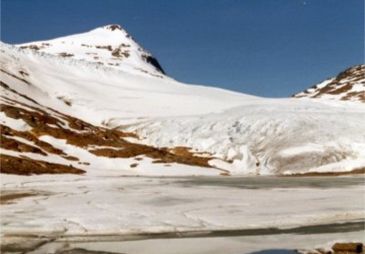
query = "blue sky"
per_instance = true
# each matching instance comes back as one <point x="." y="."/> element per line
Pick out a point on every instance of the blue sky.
<point x="265" y="47"/>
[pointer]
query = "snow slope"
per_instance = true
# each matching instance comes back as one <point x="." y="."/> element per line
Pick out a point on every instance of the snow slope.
<point x="109" y="45"/>
<point x="100" y="94"/>
<point x="270" y="136"/>
<point x="349" y="85"/>
<point x="242" y="134"/>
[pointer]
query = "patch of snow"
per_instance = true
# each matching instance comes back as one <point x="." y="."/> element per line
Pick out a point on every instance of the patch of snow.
<point x="16" y="124"/>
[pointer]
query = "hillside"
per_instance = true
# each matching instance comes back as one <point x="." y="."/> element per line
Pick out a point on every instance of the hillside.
<point x="65" y="111"/>
<point x="348" y="85"/>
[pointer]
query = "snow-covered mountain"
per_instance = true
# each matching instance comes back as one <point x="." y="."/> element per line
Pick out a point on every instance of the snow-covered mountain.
<point x="63" y="111"/>
<point x="109" y="45"/>
<point x="349" y="85"/>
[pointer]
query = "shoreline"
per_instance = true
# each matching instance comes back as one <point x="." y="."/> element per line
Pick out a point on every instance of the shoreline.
<point x="344" y="227"/>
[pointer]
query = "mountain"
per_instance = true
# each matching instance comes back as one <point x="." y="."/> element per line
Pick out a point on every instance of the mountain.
<point x="349" y="85"/>
<point x="109" y="46"/>
<point x="63" y="113"/>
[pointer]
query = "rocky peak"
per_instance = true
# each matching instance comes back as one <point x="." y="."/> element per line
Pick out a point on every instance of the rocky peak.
<point x="113" y="27"/>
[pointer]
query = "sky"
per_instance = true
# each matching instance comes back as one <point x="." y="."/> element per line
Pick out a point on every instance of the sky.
<point x="270" y="48"/>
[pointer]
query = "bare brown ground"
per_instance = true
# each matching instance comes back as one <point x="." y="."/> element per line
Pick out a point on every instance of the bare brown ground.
<point x="348" y="248"/>
<point x="8" y="198"/>
<point x="78" y="133"/>
<point x="356" y="95"/>
<point x="342" y="84"/>
<point x="11" y="144"/>
<point x="339" y="248"/>
<point x="26" y="166"/>
<point x="15" y="145"/>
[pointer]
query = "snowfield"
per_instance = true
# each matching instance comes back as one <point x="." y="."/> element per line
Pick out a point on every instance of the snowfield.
<point x="102" y="150"/>
<point x="280" y="136"/>
<point x="245" y="134"/>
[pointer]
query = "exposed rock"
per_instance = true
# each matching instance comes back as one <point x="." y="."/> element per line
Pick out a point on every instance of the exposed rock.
<point x="347" y="85"/>
<point x="114" y="27"/>
<point x="26" y="166"/>
<point x="34" y="47"/>
<point x="338" y="248"/>
<point x="107" y="47"/>
<point x="348" y="248"/>
<point x="150" y="59"/>
<point x="64" y="54"/>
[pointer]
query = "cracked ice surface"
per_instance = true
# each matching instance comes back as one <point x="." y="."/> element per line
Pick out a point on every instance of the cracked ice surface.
<point x="122" y="205"/>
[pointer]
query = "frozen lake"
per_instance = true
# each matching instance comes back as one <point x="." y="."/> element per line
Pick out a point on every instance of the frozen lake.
<point x="201" y="214"/>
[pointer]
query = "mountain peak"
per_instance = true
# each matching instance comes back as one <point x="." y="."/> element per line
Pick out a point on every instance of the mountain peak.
<point x="113" y="27"/>
<point x="109" y="45"/>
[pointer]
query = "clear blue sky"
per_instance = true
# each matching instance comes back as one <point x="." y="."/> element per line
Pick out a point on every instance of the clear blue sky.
<point x="264" y="47"/>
